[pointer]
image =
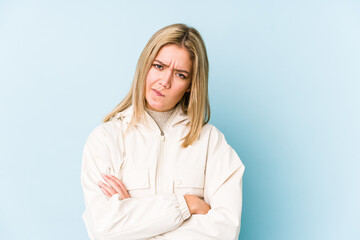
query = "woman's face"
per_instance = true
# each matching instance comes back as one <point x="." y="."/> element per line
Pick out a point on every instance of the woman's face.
<point x="168" y="78"/>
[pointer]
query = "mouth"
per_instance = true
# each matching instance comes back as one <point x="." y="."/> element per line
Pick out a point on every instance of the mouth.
<point x="158" y="93"/>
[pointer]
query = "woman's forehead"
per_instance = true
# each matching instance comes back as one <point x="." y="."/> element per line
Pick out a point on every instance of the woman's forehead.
<point x="175" y="56"/>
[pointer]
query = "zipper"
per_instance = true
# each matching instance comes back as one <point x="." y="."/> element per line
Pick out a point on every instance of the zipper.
<point x="161" y="166"/>
<point x="162" y="138"/>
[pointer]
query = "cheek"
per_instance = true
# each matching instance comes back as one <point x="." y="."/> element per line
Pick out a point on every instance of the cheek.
<point x="150" y="78"/>
<point x="180" y="90"/>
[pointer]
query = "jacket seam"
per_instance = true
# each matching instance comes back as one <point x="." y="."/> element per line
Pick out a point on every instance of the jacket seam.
<point x="135" y="226"/>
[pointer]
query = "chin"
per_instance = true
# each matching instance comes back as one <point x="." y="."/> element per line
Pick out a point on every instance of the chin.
<point x="155" y="106"/>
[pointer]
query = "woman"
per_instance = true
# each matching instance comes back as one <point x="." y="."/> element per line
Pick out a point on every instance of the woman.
<point x="155" y="169"/>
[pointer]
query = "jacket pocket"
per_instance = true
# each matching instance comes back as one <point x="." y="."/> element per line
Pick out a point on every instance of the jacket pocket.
<point x="189" y="183"/>
<point x="136" y="180"/>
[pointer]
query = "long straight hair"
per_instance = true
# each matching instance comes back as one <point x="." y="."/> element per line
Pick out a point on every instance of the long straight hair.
<point x="194" y="103"/>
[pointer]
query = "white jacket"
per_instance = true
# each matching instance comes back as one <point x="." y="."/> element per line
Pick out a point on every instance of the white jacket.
<point x="157" y="173"/>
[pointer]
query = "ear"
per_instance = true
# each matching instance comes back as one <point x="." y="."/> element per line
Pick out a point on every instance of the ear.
<point x="189" y="88"/>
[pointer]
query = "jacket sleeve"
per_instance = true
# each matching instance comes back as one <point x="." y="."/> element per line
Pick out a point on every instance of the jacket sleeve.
<point x="109" y="218"/>
<point x="223" y="192"/>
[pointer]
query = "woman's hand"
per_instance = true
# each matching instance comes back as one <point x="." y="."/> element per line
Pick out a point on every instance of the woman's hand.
<point x="196" y="205"/>
<point x="116" y="186"/>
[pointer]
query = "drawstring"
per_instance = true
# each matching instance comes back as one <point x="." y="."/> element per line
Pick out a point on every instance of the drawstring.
<point x="116" y="171"/>
<point x="123" y="153"/>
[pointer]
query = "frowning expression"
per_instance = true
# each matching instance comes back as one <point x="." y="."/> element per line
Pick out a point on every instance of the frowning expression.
<point x="168" y="78"/>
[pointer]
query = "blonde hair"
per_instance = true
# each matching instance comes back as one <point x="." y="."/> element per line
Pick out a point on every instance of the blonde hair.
<point x="194" y="103"/>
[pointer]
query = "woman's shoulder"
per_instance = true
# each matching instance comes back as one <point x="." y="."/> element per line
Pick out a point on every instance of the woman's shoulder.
<point x="218" y="147"/>
<point x="212" y="131"/>
<point x="106" y="130"/>
<point x="114" y="124"/>
<point x="213" y="136"/>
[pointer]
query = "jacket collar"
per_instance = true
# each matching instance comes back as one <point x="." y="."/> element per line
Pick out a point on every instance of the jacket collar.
<point x="177" y="117"/>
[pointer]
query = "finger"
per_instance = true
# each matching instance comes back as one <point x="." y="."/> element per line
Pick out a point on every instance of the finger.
<point x="106" y="188"/>
<point x="103" y="186"/>
<point x="105" y="192"/>
<point x="124" y="194"/>
<point x="114" y="185"/>
<point x="206" y="207"/>
<point x="121" y="184"/>
<point x="125" y="191"/>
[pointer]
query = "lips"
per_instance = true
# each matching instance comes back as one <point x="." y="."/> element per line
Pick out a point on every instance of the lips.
<point x="158" y="93"/>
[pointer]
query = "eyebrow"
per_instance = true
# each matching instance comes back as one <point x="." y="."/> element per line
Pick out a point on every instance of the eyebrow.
<point x="178" y="70"/>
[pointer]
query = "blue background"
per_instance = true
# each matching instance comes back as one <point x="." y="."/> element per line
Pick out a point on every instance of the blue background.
<point x="284" y="89"/>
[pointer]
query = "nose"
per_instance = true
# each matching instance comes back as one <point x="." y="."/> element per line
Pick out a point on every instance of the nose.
<point x="165" y="80"/>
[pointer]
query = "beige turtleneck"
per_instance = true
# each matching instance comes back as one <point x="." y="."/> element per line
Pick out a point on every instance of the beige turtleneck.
<point x="160" y="117"/>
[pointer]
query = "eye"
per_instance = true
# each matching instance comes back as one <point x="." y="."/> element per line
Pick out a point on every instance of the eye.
<point x="181" y="75"/>
<point x="158" y="66"/>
